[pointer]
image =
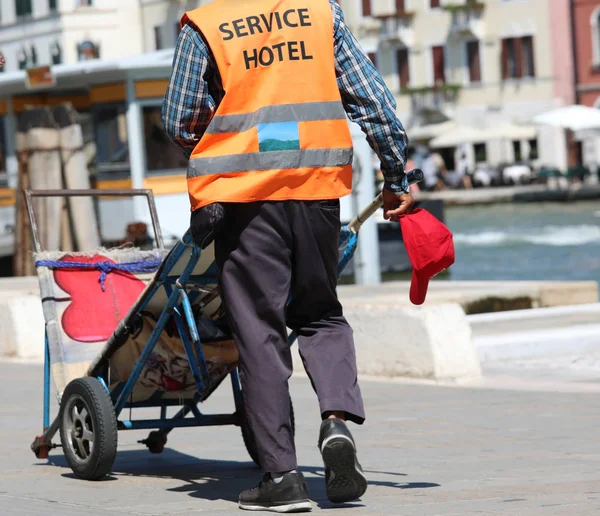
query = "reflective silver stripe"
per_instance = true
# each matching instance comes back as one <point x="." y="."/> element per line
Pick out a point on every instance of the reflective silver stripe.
<point x="269" y="161"/>
<point x="281" y="113"/>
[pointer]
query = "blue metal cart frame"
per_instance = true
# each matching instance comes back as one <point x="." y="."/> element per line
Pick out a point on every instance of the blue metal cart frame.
<point x="179" y="306"/>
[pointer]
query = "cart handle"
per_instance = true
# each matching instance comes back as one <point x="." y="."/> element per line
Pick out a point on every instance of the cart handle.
<point x="414" y="176"/>
<point x="117" y="192"/>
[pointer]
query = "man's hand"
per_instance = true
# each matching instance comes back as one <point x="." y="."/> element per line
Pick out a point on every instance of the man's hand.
<point x="396" y="205"/>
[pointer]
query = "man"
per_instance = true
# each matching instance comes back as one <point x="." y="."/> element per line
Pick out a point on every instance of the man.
<point x="258" y="101"/>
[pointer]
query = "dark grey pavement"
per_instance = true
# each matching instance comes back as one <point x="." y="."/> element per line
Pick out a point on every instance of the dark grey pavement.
<point x="427" y="451"/>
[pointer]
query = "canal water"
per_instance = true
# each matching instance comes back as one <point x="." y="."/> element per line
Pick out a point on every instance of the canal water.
<point x="537" y="241"/>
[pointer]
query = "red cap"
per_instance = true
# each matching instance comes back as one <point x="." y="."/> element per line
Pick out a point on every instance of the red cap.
<point x="430" y="249"/>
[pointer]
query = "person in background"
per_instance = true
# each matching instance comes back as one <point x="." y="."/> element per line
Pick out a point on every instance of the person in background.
<point x="433" y="170"/>
<point x="258" y="101"/>
<point x="442" y="170"/>
<point x="464" y="170"/>
<point x="411" y="164"/>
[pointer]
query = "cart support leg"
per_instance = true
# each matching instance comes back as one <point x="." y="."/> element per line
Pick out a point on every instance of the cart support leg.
<point x="237" y="391"/>
<point x="46" y="381"/>
<point x="185" y="410"/>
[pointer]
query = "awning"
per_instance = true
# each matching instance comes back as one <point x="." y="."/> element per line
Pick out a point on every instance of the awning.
<point x="575" y="118"/>
<point x="425" y="132"/>
<point x="466" y="134"/>
<point x="458" y="136"/>
<point x="95" y="71"/>
<point x="511" y="132"/>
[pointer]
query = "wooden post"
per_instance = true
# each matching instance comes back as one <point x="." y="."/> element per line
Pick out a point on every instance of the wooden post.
<point x="23" y="240"/>
<point x="43" y="141"/>
<point x="86" y="236"/>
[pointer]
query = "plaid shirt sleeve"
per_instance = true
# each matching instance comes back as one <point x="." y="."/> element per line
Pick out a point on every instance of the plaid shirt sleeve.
<point x="368" y="102"/>
<point x="195" y="91"/>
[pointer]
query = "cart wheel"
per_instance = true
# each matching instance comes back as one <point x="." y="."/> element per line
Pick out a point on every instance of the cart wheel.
<point x="40" y="447"/>
<point x="155" y="441"/>
<point x="88" y="428"/>
<point x="249" y="440"/>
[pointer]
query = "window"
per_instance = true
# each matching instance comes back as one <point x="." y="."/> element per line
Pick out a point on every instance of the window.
<point x="366" y="7"/>
<point x="403" y="67"/>
<point x="3" y="178"/>
<point x="480" y="150"/>
<point x="527" y="57"/>
<point x="509" y="63"/>
<point x="56" y="53"/>
<point x="434" y="4"/>
<point x="52" y="5"/>
<point x="518" y="58"/>
<point x="517" y="150"/>
<point x="473" y="61"/>
<point x="533" y="149"/>
<point x="161" y="153"/>
<point x="373" y="58"/>
<point x="595" y="24"/>
<point x="439" y="64"/>
<point x="34" y="56"/>
<point x="23" y="7"/>
<point x="87" y="50"/>
<point x="158" y="38"/>
<point x="400" y="7"/>
<point x="574" y="150"/>
<point x="112" y="151"/>
<point x="448" y="155"/>
<point x="22" y="58"/>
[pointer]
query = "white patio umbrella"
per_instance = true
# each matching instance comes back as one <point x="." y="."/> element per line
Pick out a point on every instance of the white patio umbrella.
<point x="458" y="136"/>
<point x="575" y="118"/>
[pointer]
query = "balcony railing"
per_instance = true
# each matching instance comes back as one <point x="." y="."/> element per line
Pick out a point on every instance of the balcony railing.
<point x="439" y="97"/>
<point x="467" y="18"/>
<point x="396" y="27"/>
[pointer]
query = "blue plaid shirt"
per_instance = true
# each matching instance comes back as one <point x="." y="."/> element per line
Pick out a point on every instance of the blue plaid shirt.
<point x="195" y="91"/>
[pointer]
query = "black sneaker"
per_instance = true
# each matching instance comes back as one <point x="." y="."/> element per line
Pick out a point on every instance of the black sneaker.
<point x="343" y="474"/>
<point x="288" y="495"/>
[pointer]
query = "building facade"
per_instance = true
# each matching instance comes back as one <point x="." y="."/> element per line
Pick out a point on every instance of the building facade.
<point x="479" y="63"/>
<point x="483" y="65"/>
<point x="47" y="32"/>
<point x="586" y="24"/>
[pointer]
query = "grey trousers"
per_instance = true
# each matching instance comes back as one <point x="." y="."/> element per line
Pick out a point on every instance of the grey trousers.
<point x="266" y="251"/>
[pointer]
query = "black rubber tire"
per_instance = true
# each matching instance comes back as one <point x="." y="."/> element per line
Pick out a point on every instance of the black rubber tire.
<point x="249" y="440"/>
<point x="88" y="392"/>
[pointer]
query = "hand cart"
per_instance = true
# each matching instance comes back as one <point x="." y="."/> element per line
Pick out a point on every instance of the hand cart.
<point x="127" y="328"/>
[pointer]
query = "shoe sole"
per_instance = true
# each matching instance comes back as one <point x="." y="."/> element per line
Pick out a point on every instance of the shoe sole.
<point x="302" y="506"/>
<point x="346" y="481"/>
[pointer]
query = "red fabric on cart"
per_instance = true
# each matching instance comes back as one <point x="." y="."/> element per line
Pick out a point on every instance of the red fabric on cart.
<point x="93" y="314"/>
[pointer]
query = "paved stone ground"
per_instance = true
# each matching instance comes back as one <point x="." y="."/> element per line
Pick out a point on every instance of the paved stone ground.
<point x="427" y="450"/>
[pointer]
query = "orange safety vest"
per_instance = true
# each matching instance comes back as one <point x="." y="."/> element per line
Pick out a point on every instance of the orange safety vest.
<point x="280" y="131"/>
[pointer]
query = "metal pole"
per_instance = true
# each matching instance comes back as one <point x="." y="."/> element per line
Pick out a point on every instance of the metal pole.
<point x="137" y="157"/>
<point x="10" y="129"/>
<point x="366" y="265"/>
